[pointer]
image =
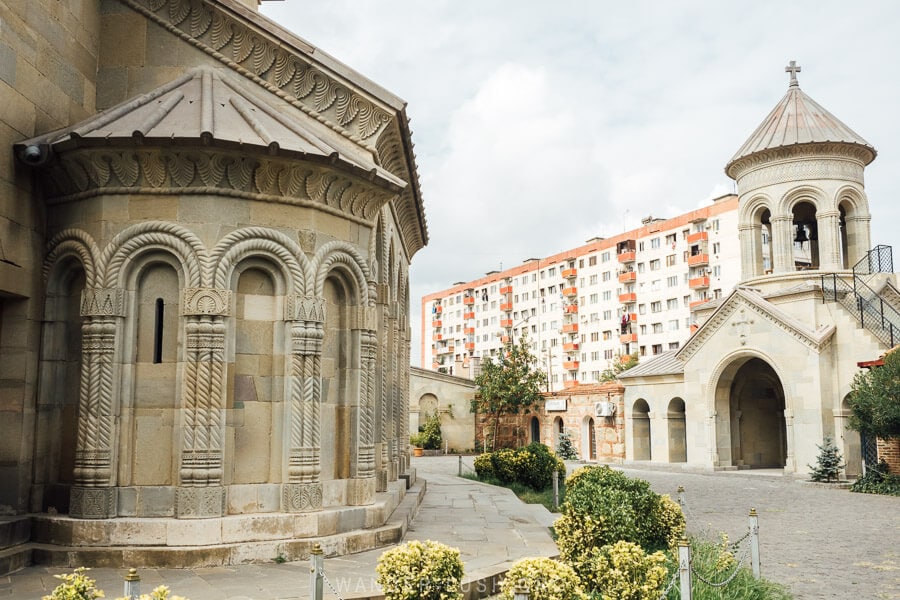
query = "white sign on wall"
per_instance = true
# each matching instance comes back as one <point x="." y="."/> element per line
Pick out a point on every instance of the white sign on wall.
<point x="555" y="404"/>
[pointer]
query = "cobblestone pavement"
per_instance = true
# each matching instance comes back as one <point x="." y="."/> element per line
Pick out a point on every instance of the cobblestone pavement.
<point x="822" y="542"/>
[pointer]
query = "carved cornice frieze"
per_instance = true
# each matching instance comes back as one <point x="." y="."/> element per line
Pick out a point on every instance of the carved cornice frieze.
<point x="89" y="172"/>
<point x="814" y="168"/>
<point x="304" y="308"/>
<point x="811" y="152"/>
<point x="100" y="302"/>
<point x="206" y="301"/>
<point x="283" y="71"/>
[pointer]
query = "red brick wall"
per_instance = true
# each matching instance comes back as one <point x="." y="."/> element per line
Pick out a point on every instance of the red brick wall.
<point x="889" y="451"/>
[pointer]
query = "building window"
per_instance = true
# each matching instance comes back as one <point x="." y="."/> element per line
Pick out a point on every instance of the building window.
<point x="594" y="336"/>
<point x="608" y="354"/>
<point x="657" y="328"/>
<point x="670" y="239"/>
<point x="607" y="295"/>
<point x="607" y="275"/>
<point x="654" y="264"/>
<point x="673" y="345"/>
<point x="592" y="260"/>
<point x="593" y="280"/>
<point x="657" y="348"/>
<point x="672" y="281"/>
<point x="551" y="271"/>
<point x="673" y="325"/>
<point x="605" y="256"/>
<point x="670" y="260"/>
<point x="716" y="247"/>
<point x="672" y="304"/>
<point x="606" y="335"/>
<point x="656" y="306"/>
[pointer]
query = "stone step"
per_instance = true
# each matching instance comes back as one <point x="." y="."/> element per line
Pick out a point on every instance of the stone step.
<point x="15" y="552"/>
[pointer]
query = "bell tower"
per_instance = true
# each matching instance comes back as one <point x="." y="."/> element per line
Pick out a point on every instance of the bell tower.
<point x="802" y="200"/>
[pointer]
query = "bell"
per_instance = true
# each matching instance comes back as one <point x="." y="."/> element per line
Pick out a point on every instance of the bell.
<point x="801" y="235"/>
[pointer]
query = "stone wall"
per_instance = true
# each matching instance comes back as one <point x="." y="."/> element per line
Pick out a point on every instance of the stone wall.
<point x="451" y="396"/>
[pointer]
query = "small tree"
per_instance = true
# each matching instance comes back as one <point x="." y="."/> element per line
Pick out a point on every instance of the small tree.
<point x="511" y="385"/>
<point x="875" y="399"/>
<point x="828" y="463"/>
<point x="622" y="362"/>
<point x="566" y="450"/>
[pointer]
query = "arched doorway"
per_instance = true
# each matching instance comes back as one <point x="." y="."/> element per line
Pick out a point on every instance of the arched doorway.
<point x="535" y="430"/>
<point x="806" y="236"/>
<point x="750" y="395"/>
<point x="589" y="437"/>
<point x="640" y="430"/>
<point x="677" y="434"/>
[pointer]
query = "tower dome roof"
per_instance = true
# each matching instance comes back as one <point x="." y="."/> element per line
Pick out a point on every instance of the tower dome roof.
<point x="798" y="120"/>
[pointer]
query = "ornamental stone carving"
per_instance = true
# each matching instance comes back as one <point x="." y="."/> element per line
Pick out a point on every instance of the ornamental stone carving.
<point x="304" y="308"/>
<point x="206" y="301"/>
<point x="100" y="302"/>
<point x="814" y="168"/>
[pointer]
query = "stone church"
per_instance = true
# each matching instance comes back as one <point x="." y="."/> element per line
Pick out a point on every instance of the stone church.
<point x="765" y="377"/>
<point x="205" y="235"/>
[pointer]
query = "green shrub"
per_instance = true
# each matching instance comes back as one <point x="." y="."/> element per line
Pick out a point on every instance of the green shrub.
<point x="623" y="571"/>
<point x="878" y="480"/>
<point x="484" y="466"/>
<point x="429" y="436"/>
<point x="420" y="571"/>
<point x="604" y="506"/>
<point x="537" y="466"/>
<point x="544" y="578"/>
<point x="504" y="463"/>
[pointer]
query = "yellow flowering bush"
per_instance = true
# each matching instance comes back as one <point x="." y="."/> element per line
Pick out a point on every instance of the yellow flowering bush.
<point x="668" y="521"/>
<point x="75" y="586"/>
<point x="533" y="465"/>
<point x="544" y="578"/>
<point x="420" y="571"/>
<point x="484" y="466"/>
<point x="623" y="571"/>
<point x="159" y="593"/>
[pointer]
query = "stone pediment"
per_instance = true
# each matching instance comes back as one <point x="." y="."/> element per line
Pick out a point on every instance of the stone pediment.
<point x="736" y="316"/>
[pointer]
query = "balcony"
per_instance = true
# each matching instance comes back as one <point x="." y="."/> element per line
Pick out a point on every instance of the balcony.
<point x="437" y="337"/>
<point x="698" y="259"/>
<point x="469" y="300"/>
<point x="437" y="324"/>
<point x="627" y="277"/>
<point x="506" y="307"/>
<point x="469" y="315"/>
<point x="570" y="328"/>
<point x="571" y="309"/>
<point x="570" y="292"/>
<point x="697" y="303"/>
<point x="698" y="236"/>
<point x="632" y="317"/>
<point x="627" y="338"/>
<point x="570" y="365"/>
<point x="627" y="257"/>
<point x="506" y="289"/>
<point x="446" y="350"/>
<point x="470" y="345"/>
<point x="504" y="339"/>
<point x="570" y="383"/>
<point x="436" y="365"/>
<point x="627" y="298"/>
<point x="698" y="283"/>
<point x="436" y="310"/>
<point x="469" y="330"/>
<point x="570" y="347"/>
<point x="569" y="273"/>
<point x="506" y="323"/>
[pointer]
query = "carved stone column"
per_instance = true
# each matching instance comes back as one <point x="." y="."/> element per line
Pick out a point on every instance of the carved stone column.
<point x="200" y="493"/>
<point x="828" y="226"/>
<point x="751" y="250"/>
<point x="383" y="406"/>
<point x="362" y="483"/>
<point x="403" y="385"/>
<point x="398" y="435"/>
<point x="303" y="490"/>
<point x="782" y="245"/>
<point x="93" y="493"/>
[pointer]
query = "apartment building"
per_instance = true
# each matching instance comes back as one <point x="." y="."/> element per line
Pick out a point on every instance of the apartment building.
<point x="586" y="307"/>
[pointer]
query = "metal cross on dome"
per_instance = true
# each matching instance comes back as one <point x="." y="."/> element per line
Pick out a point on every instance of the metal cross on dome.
<point x="793" y="69"/>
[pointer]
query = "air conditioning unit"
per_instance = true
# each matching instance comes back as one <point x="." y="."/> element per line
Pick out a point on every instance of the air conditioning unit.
<point x="604" y="409"/>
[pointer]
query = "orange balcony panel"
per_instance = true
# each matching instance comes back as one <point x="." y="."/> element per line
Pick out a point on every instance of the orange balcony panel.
<point x="506" y="307"/>
<point x="632" y="317"/>
<point x="697" y="303"/>
<point x="627" y="338"/>
<point x="437" y="337"/>
<point x="627" y="277"/>
<point x="470" y="345"/>
<point x="570" y="383"/>
<point x="627" y="297"/>
<point x="469" y="315"/>
<point x="569" y="273"/>
<point x="571" y="347"/>
<point x="698" y="282"/>
<point x="434" y="350"/>
<point x="504" y="339"/>
<point x="435" y="365"/>
<point x="627" y="257"/>
<point x="469" y="330"/>
<point x="437" y="323"/>
<point x="437" y="309"/>
<point x="570" y="365"/>
<point x="506" y="323"/>
<point x="698" y="236"/>
<point x="698" y="259"/>
<point x="469" y="300"/>
<point x="571" y="309"/>
<point x="506" y="289"/>
<point x="570" y="291"/>
<point x="570" y="328"/>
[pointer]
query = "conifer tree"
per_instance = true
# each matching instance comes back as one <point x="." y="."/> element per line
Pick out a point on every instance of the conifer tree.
<point x="566" y="450"/>
<point x="828" y="463"/>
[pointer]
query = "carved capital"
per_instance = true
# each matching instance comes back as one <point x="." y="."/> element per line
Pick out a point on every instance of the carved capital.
<point x="382" y="293"/>
<point x="206" y="301"/>
<point x="205" y="335"/>
<point x="103" y="302"/>
<point x="363" y="317"/>
<point x="304" y="308"/>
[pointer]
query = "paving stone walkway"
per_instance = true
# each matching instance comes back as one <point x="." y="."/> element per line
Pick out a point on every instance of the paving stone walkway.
<point x="821" y="542"/>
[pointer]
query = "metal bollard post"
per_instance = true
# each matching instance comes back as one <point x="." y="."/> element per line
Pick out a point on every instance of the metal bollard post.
<point x="521" y="594"/>
<point x="460" y="466"/>
<point x="556" y="490"/>
<point x="316" y="559"/>
<point x="681" y="496"/>
<point x="132" y="585"/>
<point x="754" y="542"/>
<point x="684" y="568"/>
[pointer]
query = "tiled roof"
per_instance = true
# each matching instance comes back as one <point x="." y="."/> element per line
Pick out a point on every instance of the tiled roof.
<point x="664" y="364"/>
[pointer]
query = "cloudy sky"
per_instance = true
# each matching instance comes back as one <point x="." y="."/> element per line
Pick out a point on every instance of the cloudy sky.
<point x="539" y="125"/>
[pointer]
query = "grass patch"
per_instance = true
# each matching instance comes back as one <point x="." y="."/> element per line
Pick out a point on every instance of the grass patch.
<point x="525" y="493"/>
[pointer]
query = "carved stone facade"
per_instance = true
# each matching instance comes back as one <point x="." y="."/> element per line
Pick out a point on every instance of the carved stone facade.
<point x="217" y="314"/>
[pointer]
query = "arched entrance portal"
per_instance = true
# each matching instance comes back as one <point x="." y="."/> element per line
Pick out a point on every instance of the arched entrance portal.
<point x="535" y="430"/>
<point x="640" y="429"/>
<point x="755" y="436"/>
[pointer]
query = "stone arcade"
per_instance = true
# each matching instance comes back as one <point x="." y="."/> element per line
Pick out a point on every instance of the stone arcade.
<point x="205" y="331"/>
<point x="766" y="376"/>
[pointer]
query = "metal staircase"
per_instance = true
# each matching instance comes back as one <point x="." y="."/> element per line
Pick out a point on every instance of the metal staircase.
<point x="874" y="312"/>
